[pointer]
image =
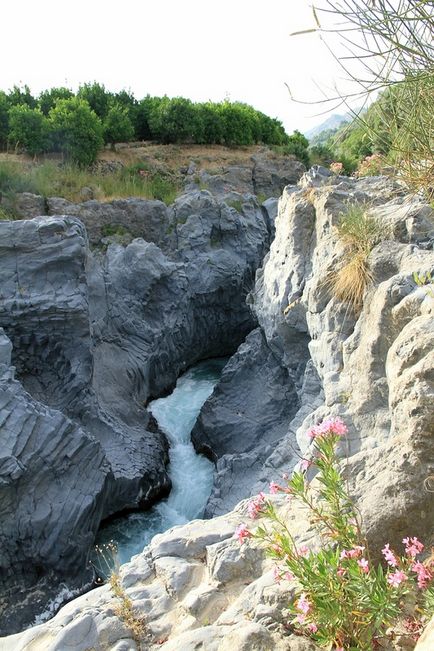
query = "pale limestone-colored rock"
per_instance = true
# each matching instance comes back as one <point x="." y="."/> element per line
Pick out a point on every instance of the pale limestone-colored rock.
<point x="205" y="602"/>
<point x="251" y="637"/>
<point x="227" y="562"/>
<point x="175" y="573"/>
<point x="426" y="640"/>
<point x="191" y="540"/>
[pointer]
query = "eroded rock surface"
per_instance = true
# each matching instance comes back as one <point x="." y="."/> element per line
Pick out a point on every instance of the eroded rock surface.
<point x="94" y="336"/>
<point x="195" y="587"/>
<point x="370" y="367"/>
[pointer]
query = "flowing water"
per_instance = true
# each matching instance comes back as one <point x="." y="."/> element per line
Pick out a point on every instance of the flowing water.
<point x="191" y="473"/>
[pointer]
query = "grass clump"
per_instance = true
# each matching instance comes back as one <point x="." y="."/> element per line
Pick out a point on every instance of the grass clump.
<point x="106" y="565"/>
<point x="68" y="180"/>
<point x="359" y="232"/>
<point x="125" y="610"/>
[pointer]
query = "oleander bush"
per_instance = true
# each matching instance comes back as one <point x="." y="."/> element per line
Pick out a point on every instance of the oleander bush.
<point x="343" y="600"/>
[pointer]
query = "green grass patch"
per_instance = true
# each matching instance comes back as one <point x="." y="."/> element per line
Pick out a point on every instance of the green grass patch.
<point x="67" y="181"/>
<point x="238" y="205"/>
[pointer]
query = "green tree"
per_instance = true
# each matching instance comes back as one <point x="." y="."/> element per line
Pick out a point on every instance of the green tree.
<point x="297" y="144"/>
<point x="212" y="128"/>
<point x="48" y="98"/>
<point x="28" y="128"/>
<point x="21" y="95"/>
<point x="117" y="125"/>
<point x="97" y="97"/>
<point x="175" y="120"/>
<point x="4" y="119"/>
<point x="78" y="131"/>
<point x="144" y="108"/>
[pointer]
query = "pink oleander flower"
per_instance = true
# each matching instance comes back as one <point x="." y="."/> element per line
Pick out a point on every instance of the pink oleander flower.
<point x="303" y="551"/>
<point x="364" y="565"/>
<point x="312" y="627"/>
<point x="276" y="574"/>
<point x="336" y="167"/>
<point x="341" y="571"/>
<point x="424" y="576"/>
<point x="413" y="546"/>
<point x="352" y="553"/>
<point x="328" y="426"/>
<point x="389" y="555"/>
<point x="303" y="604"/>
<point x="301" y="618"/>
<point x="274" y="488"/>
<point x="305" y="464"/>
<point x="256" y="506"/>
<point x="396" y="578"/>
<point x="277" y="548"/>
<point x="289" y="576"/>
<point x="242" y="533"/>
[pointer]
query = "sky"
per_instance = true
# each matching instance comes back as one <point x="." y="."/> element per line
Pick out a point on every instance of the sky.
<point x="201" y="49"/>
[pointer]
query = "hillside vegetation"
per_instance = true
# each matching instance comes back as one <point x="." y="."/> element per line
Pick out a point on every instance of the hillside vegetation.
<point x="78" y="125"/>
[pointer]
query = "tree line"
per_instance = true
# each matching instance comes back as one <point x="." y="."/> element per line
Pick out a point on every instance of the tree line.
<point x="79" y="124"/>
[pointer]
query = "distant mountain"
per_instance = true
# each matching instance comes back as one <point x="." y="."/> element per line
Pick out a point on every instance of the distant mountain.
<point x="332" y="123"/>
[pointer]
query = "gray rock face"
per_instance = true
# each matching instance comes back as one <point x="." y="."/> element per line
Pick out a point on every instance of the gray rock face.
<point x="136" y="217"/>
<point x="266" y="175"/>
<point x="95" y="336"/>
<point x="246" y="416"/>
<point x="368" y="363"/>
<point x="177" y="307"/>
<point x="372" y="367"/>
<point x="349" y="372"/>
<point x="27" y="205"/>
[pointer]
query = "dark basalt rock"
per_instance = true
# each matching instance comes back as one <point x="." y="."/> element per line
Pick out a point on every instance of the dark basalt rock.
<point x="95" y="336"/>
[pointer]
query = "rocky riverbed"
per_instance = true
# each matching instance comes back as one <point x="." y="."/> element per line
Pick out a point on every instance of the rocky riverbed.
<point x="94" y="335"/>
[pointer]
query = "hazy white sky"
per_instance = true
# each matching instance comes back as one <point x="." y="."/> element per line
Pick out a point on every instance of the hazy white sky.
<point x="241" y="49"/>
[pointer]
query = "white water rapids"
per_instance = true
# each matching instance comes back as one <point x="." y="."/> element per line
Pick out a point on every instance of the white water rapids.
<point x="191" y="473"/>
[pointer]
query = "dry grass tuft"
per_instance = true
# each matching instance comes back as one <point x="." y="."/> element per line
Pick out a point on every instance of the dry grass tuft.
<point x="125" y="609"/>
<point x="349" y="283"/>
<point x="359" y="232"/>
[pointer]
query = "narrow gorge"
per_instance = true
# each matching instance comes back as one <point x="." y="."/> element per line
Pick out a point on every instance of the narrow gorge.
<point x="95" y="331"/>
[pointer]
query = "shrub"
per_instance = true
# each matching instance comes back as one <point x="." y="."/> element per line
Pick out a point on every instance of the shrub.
<point x="77" y="130"/>
<point x="342" y="600"/>
<point x="297" y="145"/>
<point x="370" y="166"/>
<point x="28" y="128"/>
<point x="117" y="125"/>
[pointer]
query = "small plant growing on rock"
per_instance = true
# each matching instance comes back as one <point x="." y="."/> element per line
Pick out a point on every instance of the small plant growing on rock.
<point x="371" y="166"/>
<point x="336" y="167"/>
<point x="359" y="232"/>
<point x="106" y="566"/>
<point x="342" y="600"/>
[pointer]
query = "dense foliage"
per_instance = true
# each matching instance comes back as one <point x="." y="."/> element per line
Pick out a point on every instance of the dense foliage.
<point x="77" y="124"/>
<point x="396" y="133"/>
